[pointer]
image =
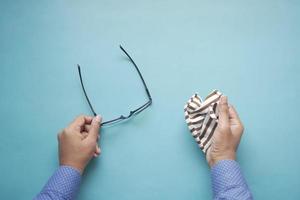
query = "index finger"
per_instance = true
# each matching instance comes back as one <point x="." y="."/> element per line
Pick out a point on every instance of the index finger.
<point x="223" y="111"/>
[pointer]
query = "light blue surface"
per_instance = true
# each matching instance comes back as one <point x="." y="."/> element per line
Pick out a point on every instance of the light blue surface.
<point x="247" y="49"/>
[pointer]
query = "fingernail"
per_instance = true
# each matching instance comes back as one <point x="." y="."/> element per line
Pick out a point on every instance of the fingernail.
<point x="97" y="119"/>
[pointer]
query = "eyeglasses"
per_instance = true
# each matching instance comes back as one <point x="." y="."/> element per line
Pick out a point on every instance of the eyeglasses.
<point x="132" y="112"/>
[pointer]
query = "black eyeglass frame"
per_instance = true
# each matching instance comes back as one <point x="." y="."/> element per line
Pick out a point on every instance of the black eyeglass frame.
<point x="132" y="112"/>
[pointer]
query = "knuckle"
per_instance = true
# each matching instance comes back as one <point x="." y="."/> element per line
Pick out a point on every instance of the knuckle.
<point x="242" y="131"/>
<point x="65" y="131"/>
<point x="241" y="126"/>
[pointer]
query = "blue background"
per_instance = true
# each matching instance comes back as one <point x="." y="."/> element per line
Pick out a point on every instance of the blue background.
<point x="247" y="49"/>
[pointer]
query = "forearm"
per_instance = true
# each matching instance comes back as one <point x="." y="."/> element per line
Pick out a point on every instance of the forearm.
<point x="64" y="184"/>
<point x="228" y="181"/>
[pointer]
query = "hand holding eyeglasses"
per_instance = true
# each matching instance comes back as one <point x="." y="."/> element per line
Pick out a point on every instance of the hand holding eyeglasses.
<point x="78" y="142"/>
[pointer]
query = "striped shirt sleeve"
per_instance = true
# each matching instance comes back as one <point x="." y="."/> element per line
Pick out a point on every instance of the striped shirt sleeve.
<point x="228" y="181"/>
<point x="63" y="185"/>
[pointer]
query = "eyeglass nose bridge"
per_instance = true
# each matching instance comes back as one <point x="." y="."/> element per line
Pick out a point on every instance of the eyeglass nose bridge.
<point x="129" y="115"/>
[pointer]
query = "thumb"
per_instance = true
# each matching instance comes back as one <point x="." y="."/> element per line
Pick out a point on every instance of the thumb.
<point x="223" y="111"/>
<point x="95" y="126"/>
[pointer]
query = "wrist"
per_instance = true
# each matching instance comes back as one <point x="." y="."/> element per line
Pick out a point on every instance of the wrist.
<point x="228" y="156"/>
<point x="75" y="166"/>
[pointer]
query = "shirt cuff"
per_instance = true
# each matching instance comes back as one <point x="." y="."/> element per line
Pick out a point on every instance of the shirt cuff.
<point x="226" y="174"/>
<point x="64" y="182"/>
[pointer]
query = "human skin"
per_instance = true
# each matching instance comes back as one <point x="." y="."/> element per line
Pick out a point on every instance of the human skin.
<point x="78" y="142"/>
<point x="227" y="136"/>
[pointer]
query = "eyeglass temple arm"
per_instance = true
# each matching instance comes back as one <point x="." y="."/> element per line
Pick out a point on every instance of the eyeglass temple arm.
<point x="131" y="112"/>
<point x="86" y="96"/>
<point x="144" y="83"/>
<point x="121" y="117"/>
